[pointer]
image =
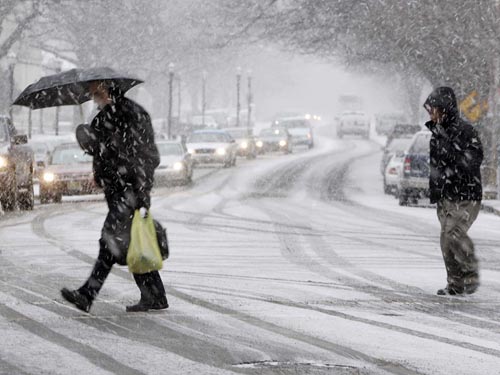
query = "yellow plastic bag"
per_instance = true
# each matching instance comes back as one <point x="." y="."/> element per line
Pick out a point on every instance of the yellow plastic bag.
<point x="143" y="251"/>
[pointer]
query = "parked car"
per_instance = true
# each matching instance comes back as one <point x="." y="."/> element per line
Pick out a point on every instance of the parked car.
<point x="245" y="141"/>
<point x="16" y="168"/>
<point x="274" y="139"/>
<point x="353" y="123"/>
<point x="394" y="146"/>
<point x="392" y="172"/>
<point x="69" y="173"/>
<point x="41" y="152"/>
<point x="413" y="182"/>
<point x="176" y="164"/>
<point x="299" y="128"/>
<point x="212" y="146"/>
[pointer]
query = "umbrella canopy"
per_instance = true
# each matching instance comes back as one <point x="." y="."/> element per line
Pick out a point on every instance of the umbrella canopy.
<point x="70" y="87"/>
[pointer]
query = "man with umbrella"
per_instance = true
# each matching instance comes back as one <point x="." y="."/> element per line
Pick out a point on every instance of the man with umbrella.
<point x="121" y="140"/>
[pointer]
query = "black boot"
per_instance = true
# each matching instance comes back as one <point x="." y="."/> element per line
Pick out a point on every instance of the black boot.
<point x="77" y="298"/>
<point x="152" y="293"/>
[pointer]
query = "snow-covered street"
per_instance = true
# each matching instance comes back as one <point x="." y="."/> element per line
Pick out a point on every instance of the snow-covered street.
<point x="283" y="265"/>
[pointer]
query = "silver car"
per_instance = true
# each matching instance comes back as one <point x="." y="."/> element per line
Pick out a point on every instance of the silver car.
<point x="212" y="146"/>
<point x="176" y="164"/>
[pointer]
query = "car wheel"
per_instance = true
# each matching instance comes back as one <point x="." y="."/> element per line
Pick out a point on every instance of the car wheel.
<point x="403" y="198"/>
<point x="387" y="189"/>
<point x="233" y="163"/>
<point x="9" y="195"/>
<point x="340" y="135"/>
<point x="27" y="199"/>
<point x="58" y="198"/>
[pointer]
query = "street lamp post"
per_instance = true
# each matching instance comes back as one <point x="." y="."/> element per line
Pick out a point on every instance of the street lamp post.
<point x="249" y="94"/>
<point x="179" y="98"/>
<point x="238" y="85"/>
<point x="57" y="68"/>
<point x="11" y="60"/>
<point x="170" y="90"/>
<point x="203" y="96"/>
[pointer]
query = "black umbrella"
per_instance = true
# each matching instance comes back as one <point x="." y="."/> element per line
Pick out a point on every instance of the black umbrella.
<point x="70" y="87"/>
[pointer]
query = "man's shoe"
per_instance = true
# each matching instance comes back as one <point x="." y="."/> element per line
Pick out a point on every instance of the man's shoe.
<point x="143" y="306"/>
<point x="449" y="291"/>
<point x="81" y="301"/>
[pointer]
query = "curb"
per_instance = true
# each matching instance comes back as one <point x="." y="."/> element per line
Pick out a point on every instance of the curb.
<point x="490" y="209"/>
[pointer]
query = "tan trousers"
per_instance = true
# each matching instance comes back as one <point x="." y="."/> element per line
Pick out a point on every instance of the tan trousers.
<point x="458" y="250"/>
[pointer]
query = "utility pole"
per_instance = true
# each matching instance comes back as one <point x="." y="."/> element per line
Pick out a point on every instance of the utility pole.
<point x="238" y="86"/>
<point x="249" y="97"/>
<point x="170" y="89"/>
<point x="203" y="96"/>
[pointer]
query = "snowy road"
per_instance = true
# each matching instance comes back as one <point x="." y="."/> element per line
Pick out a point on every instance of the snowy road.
<point x="283" y="265"/>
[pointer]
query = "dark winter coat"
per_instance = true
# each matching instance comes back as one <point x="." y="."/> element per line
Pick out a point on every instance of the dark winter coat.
<point x="127" y="156"/>
<point x="456" y="153"/>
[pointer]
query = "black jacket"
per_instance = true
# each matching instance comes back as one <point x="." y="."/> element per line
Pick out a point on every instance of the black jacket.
<point x="456" y="153"/>
<point x="127" y="154"/>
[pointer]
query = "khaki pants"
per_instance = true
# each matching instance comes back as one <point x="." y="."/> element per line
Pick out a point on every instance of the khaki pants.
<point x="458" y="250"/>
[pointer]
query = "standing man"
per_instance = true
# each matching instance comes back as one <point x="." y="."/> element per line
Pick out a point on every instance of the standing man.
<point x="121" y="140"/>
<point x="456" y="154"/>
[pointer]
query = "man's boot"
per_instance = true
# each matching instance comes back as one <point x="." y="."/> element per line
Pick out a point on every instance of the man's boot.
<point x="152" y="293"/>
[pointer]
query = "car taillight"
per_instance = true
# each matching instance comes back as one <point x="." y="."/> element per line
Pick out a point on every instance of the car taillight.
<point x="407" y="165"/>
<point x="392" y="170"/>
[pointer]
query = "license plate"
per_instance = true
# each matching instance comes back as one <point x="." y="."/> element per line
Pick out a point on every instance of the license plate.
<point x="74" y="185"/>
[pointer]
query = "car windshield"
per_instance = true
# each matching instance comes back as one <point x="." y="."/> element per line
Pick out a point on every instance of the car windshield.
<point x="75" y="155"/>
<point x="39" y="148"/>
<point x="208" y="137"/>
<point x="421" y="144"/>
<point x="271" y="132"/>
<point x="299" y="131"/>
<point x="169" y="149"/>
<point x="399" y="144"/>
<point x="291" y="124"/>
<point x="238" y="133"/>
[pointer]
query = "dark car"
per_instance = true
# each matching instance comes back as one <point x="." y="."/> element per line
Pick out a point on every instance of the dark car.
<point x="274" y="139"/>
<point x="16" y="168"/>
<point x="244" y="140"/>
<point x="413" y="182"/>
<point x="299" y="128"/>
<point x="176" y="164"/>
<point x="69" y="173"/>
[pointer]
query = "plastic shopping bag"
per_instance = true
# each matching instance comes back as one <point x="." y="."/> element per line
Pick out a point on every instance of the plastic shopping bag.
<point x="143" y="252"/>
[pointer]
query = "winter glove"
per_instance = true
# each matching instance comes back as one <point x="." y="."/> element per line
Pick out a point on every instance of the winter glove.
<point x="143" y="211"/>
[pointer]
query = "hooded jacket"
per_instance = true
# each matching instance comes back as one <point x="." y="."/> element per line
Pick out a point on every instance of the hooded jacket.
<point x="456" y="152"/>
<point x="127" y="155"/>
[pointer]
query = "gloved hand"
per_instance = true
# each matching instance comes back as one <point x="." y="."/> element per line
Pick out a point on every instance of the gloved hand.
<point x="143" y="211"/>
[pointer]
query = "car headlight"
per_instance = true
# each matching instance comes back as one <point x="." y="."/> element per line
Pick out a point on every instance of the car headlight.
<point x="3" y="162"/>
<point x="191" y="150"/>
<point x="308" y="135"/>
<point x="282" y="143"/>
<point x="221" y="151"/>
<point x="49" y="177"/>
<point x="178" y="166"/>
<point x="244" y="145"/>
<point x="259" y="144"/>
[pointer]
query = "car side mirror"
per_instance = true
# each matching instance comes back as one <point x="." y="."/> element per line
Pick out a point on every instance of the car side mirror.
<point x="19" y="139"/>
<point x="399" y="154"/>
